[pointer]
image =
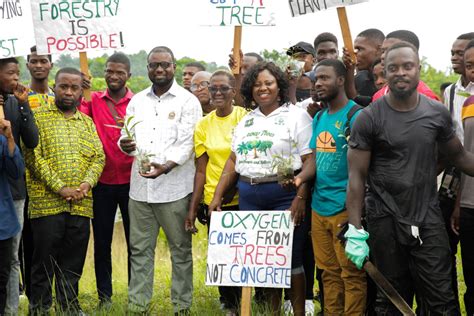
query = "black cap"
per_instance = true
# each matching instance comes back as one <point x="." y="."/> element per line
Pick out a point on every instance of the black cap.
<point x="301" y="47"/>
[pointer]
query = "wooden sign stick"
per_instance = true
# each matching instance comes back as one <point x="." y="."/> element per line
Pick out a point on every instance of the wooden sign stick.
<point x="2" y="114"/>
<point x="346" y="32"/>
<point x="236" y="49"/>
<point x="246" y="305"/>
<point x="85" y="70"/>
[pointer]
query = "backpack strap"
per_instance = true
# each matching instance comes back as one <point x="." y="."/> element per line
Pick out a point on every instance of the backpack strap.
<point x="452" y="91"/>
<point x="320" y="113"/>
<point x="353" y="110"/>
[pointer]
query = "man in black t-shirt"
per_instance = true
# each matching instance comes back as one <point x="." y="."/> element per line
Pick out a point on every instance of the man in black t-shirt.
<point x="394" y="144"/>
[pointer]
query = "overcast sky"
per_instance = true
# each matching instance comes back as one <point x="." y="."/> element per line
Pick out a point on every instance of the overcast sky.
<point x="176" y="24"/>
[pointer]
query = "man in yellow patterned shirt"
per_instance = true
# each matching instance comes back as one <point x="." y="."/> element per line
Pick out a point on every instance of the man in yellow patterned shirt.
<point x="62" y="169"/>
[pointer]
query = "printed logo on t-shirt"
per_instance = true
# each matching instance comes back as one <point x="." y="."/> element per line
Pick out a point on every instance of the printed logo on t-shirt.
<point x="254" y="147"/>
<point x="249" y="122"/>
<point x="279" y="121"/>
<point x="326" y="143"/>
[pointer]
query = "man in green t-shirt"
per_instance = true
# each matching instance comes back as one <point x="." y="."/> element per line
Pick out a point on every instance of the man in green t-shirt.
<point x="346" y="285"/>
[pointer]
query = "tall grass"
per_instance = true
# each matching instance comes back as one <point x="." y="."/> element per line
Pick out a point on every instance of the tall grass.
<point x="205" y="298"/>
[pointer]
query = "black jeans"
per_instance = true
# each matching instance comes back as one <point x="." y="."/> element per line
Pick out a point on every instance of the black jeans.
<point x="106" y="199"/>
<point x="60" y="251"/>
<point x="5" y="267"/>
<point x="411" y="267"/>
<point x="466" y="234"/>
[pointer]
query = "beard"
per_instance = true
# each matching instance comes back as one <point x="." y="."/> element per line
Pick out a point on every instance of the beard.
<point x="162" y="82"/>
<point x="65" y="107"/>
<point x="331" y="95"/>
<point x="402" y="94"/>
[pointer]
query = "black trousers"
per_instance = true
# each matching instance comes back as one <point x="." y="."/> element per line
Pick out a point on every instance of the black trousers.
<point x="413" y="268"/>
<point x="60" y="251"/>
<point x="466" y="234"/>
<point x="447" y="208"/>
<point x="106" y="199"/>
<point x="5" y="267"/>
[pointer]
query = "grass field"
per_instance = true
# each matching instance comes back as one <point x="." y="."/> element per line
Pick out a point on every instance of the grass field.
<point x="205" y="298"/>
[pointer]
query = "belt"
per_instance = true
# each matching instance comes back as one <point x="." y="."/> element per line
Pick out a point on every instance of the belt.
<point x="265" y="179"/>
<point x="258" y="180"/>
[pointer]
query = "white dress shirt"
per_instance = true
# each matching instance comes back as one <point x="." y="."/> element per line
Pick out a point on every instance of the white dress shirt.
<point x="258" y="139"/>
<point x="458" y="102"/>
<point x="165" y="130"/>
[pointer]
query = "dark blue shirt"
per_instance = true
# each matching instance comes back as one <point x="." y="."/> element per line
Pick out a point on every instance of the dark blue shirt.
<point x="13" y="167"/>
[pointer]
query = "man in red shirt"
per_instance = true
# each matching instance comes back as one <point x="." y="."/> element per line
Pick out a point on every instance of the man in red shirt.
<point x="108" y="109"/>
<point x="403" y="36"/>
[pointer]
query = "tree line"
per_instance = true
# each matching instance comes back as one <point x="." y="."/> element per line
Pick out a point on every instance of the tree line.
<point x="139" y="80"/>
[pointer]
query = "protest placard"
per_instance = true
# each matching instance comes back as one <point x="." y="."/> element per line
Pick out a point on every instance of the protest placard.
<point x="77" y="26"/>
<point x="250" y="249"/>
<point x="301" y="7"/>
<point x="237" y="12"/>
<point x="14" y="41"/>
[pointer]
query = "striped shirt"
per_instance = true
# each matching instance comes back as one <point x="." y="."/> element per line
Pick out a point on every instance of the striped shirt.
<point x="69" y="153"/>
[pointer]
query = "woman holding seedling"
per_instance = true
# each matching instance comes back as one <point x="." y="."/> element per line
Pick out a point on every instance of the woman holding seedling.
<point x="269" y="145"/>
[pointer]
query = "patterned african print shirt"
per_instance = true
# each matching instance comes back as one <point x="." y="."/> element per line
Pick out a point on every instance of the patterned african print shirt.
<point x="36" y="99"/>
<point x="69" y="153"/>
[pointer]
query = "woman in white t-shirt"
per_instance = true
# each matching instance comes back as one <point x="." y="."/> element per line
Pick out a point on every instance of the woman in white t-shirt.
<point x="274" y="136"/>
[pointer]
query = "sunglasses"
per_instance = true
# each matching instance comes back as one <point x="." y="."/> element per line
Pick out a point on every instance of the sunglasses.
<point x="162" y="64"/>
<point x="222" y="89"/>
<point x="201" y="85"/>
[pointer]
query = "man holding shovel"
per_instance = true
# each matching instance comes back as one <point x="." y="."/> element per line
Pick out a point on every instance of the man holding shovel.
<point x="394" y="144"/>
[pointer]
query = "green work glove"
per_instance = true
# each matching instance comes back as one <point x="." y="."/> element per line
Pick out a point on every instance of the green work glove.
<point x="357" y="249"/>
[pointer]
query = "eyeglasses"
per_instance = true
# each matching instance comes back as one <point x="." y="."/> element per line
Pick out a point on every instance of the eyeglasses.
<point x="222" y="89"/>
<point x="162" y="64"/>
<point x="201" y="85"/>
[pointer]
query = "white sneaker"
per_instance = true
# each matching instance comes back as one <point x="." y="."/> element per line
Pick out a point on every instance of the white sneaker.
<point x="309" y="308"/>
<point x="287" y="308"/>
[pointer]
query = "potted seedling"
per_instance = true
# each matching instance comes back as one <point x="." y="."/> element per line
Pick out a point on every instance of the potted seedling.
<point x="143" y="156"/>
<point x="283" y="168"/>
<point x="283" y="164"/>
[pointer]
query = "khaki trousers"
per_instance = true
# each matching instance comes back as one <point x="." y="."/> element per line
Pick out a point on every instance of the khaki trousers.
<point x="345" y="287"/>
<point x="146" y="219"/>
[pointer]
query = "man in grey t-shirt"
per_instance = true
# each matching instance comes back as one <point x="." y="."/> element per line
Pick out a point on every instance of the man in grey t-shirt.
<point x="394" y="145"/>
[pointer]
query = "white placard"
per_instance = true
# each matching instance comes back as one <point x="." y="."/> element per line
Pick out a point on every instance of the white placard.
<point x="14" y="41"/>
<point x="77" y="25"/>
<point x="237" y="12"/>
<point x="301" y="7"/>
<point x="250" y="248"/>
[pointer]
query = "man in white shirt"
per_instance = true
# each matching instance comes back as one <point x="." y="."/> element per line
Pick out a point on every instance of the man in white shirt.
<point x="166" y="114"/>
<point x="456" y="94"/>
<point x="454" y="97"/>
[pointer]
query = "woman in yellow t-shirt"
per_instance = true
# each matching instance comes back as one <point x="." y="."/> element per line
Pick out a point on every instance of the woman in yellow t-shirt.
<point x="212" y="144"/>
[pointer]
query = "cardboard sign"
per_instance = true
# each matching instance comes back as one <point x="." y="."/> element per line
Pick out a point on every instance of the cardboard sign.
<point x="75" y="26"/>
<point x="238" y="12"/>
<point x="250" y="248"/>
<point x="301" y="7"/>
<point x="14" y="17"/>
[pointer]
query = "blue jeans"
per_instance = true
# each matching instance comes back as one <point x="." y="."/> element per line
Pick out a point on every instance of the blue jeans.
<point x="13" y="288"/>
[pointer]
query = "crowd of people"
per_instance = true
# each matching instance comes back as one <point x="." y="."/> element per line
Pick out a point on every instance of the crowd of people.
<point x="352" y="145"/>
